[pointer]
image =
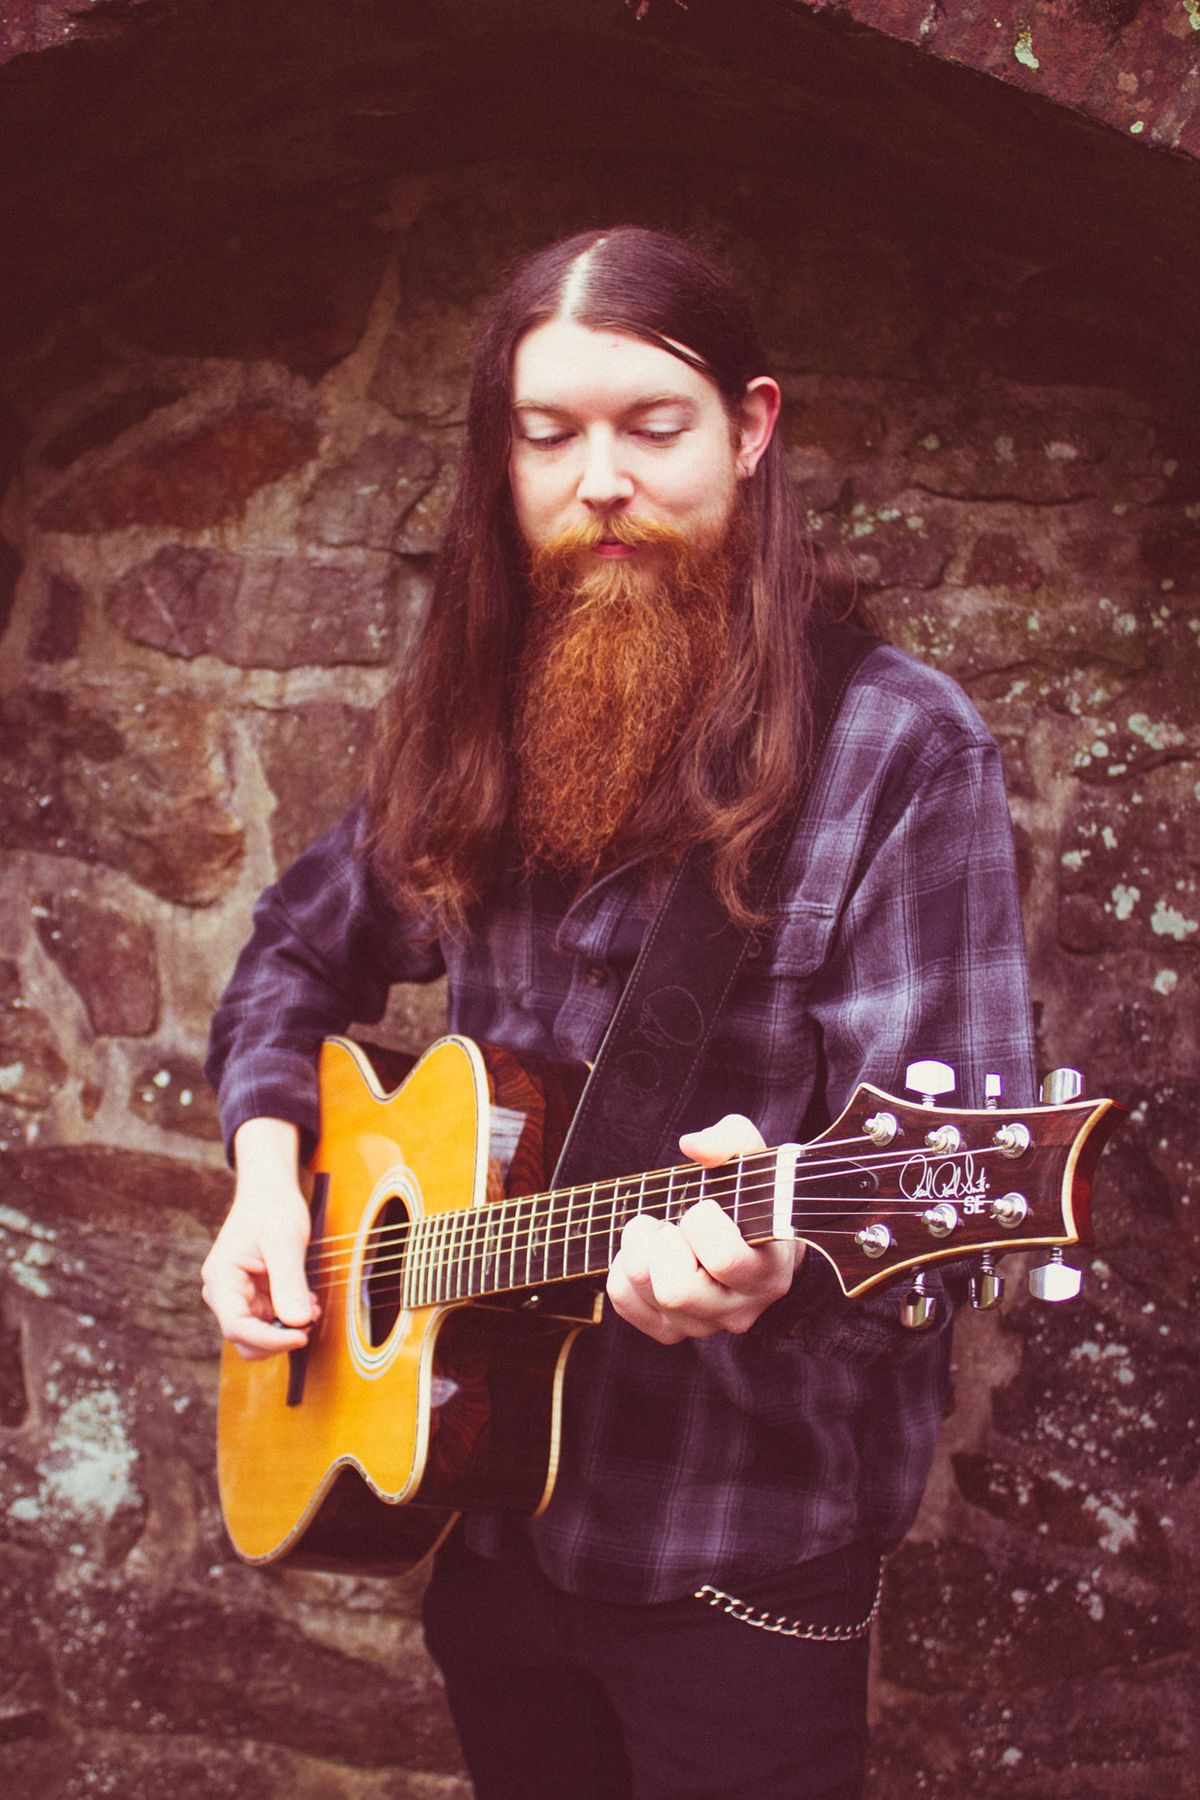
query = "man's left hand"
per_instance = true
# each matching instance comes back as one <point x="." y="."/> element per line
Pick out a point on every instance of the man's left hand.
<point x="700" y="1276"/>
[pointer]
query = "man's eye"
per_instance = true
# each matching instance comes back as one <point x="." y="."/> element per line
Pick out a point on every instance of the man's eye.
<point x="659" y="435"/>
<point x="549" y="442"/>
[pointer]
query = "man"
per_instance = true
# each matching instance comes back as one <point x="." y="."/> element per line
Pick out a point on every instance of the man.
<point x="617" y="666"/>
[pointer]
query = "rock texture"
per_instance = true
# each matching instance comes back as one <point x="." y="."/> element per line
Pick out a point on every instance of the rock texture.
<point x="248" y="247"/>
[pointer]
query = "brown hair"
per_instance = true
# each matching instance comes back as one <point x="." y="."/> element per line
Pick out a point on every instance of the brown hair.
<point x="440" y="786"/>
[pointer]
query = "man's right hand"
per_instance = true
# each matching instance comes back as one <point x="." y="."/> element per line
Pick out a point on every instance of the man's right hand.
<point x="254" y="1278"/>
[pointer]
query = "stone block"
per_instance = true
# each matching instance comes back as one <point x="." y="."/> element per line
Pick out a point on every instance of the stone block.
<point x="891" y="548"/>
<point x="108" y="959"/>
<point x="366" y="500"/>
<point x="958" y="447"/>
<point x="170" y="1091"/>
<point x="264" y="612"/>
<point x="133" y="778"/>
<point x="421" y="533"/>
<point x="315" y="759"/>
<point x="116" y="1235"/>
<point x="1068" y="1510"/>
<point x="199" y="478"/>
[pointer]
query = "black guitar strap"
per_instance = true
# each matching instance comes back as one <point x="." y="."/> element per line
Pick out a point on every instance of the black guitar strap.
<point x="657" y="1038"/>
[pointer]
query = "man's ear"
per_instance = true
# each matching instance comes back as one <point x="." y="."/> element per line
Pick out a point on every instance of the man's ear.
<point x="757" y="415"/>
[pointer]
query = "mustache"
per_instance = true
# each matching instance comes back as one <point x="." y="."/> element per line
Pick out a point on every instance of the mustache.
<point x="618" y="529"/>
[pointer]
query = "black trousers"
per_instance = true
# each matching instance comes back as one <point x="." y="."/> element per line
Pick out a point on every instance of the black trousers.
<point x="557" y="1697"/>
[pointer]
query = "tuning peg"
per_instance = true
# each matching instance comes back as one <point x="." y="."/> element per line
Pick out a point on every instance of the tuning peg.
<point x="986" y="1286"/>
<point x="918" y="1309"/>
<point x="993" y="1090"/>
<point x="929" y="1079"/>
<point x="1055" y="1280"/>
<point x="1061" y="1085"/>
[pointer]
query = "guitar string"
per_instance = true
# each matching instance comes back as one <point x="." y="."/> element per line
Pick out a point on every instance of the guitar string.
<point x="665" y="1177"/>
<point x="494" y="1237"/>
<point x="722" y="1181"/>
<point x="517" y="1222"/>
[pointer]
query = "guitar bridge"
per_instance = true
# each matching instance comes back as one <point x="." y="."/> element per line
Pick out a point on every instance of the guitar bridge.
<point x="298" y="1359"/>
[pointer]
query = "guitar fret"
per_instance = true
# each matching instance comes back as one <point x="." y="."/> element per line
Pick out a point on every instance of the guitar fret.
<point x="445" y="1260"/>
<point x="415" y="1271"/>
<point x="480" y="1230"/>
<point x="433" y="1261"/>
<point x="530" y="1239"/>
<point x="419" y="1262"/>
<point x="457" y="1265"/>
<point x="406" y="1266"/>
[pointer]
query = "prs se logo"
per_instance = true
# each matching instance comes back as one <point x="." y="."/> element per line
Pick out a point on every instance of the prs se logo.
<point x="945" y="1178"/>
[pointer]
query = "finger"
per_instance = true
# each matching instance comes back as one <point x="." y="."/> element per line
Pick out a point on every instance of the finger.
<point x="719" y="1247"/>
<point x="678" y="1283"/>
<point x="636" y="1241"/>
<point x="734" y="1135"/>
<point x="256" y="1339"/>
<point x="631" y="1303"/>
<point x="292" y="1298"/>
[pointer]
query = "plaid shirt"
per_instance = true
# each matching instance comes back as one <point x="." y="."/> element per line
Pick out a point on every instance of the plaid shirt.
<point x="899" y="936"/>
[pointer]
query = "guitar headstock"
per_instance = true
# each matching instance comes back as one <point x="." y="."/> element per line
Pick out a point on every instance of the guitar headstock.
<point x="894" y="1186"/>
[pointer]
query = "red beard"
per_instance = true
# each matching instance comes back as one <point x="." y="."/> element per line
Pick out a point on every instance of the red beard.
<point x="619" y="666"/>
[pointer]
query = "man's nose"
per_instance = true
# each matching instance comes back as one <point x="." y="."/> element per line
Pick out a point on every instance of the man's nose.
<point x="604" y="482"/>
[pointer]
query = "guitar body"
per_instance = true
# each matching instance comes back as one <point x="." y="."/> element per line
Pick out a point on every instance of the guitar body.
<point x="358" y="1451"/>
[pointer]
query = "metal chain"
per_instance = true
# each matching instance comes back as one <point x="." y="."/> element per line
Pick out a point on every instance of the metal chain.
<point x="793" y="1628"/>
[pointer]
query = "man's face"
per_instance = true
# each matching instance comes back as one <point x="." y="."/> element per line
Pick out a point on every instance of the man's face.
<point x="607" y="426"/>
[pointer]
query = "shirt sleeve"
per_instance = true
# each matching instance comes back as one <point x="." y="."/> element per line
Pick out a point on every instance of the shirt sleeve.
<point x="325" y="950"/>
<point x="928" y="960"/>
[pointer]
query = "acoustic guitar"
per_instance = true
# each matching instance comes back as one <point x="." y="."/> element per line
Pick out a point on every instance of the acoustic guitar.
<point x="452" y="1288"/>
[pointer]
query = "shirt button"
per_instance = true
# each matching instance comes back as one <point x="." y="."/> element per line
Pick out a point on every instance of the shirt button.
<point x="597" y="975"/>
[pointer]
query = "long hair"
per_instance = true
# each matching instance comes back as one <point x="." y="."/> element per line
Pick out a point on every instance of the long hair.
<point x="441" y="778"/>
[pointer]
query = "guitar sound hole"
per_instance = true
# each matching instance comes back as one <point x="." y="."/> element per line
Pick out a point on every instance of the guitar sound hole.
<point x="383" y="1272"/>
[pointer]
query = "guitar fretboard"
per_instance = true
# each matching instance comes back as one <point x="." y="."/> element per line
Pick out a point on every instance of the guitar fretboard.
<point x="557" y="1236"/>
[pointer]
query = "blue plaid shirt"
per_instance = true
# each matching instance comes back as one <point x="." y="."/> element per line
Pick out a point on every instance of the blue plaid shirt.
<point x="899" y="936"/>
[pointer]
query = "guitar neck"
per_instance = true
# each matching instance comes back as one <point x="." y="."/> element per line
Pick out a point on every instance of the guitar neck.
<point x="570" y="1232"/>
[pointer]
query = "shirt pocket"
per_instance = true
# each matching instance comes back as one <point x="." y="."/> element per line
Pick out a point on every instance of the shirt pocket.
<point x="797" y="945"/>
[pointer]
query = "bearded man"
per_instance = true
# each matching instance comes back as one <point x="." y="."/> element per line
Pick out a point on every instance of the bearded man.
<point x="617" y="670"/>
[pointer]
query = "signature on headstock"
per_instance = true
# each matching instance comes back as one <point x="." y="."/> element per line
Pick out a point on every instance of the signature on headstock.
<point x="945" y="1178"/>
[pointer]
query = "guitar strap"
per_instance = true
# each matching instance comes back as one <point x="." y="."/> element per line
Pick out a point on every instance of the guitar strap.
<point x="658" y="1036"/>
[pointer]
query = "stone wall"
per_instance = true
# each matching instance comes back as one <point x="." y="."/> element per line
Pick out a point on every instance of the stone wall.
<point x="224" y="473"/>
